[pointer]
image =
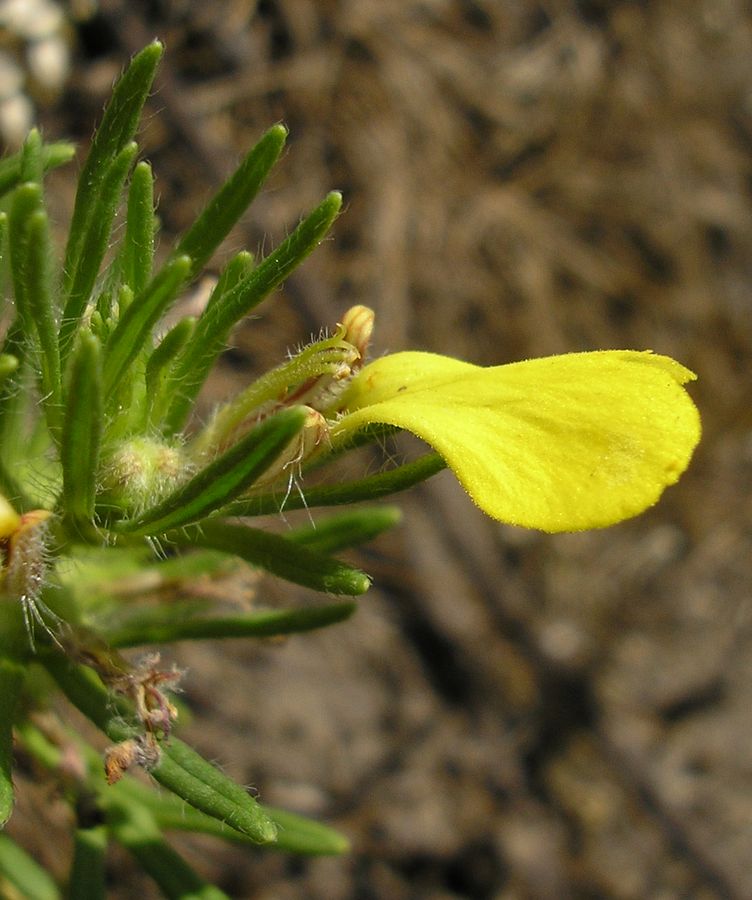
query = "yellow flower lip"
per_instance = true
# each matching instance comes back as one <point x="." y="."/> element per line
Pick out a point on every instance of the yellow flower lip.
<point x="561" y="443"/>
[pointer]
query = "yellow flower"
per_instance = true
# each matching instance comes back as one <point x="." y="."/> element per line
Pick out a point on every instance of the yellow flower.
<point x="562" y="443"/>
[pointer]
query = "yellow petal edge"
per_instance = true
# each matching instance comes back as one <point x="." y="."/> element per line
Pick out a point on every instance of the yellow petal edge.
<point x="561" y="443"/>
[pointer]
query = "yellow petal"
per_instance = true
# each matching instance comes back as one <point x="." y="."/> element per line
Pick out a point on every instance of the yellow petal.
<point x="9" y="519"/>
<point x="562" y="443"/>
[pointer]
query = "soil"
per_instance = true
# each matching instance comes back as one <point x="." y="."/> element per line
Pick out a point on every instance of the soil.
<point x="509" y="714"/>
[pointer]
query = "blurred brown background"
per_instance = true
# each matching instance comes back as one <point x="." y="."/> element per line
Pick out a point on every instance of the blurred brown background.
<point x="510" y="715"/>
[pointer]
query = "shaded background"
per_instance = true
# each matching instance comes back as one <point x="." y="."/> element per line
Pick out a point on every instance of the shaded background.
<point x="509" y="715"/>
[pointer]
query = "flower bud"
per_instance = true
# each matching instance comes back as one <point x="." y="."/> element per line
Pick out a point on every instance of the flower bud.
<point x="142" y="471"/>
<point x="358" y="324"/>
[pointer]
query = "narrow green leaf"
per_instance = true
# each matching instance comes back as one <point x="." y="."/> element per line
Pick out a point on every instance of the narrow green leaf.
<point x="10" y="488"/>
<point x="82" y="432"/>
<point x="348" y="529"/>
<point x="27" y="200"/>
<point x="43" y="308"/>
<point x="21" y="874"/>
<point x="276" y="554"/>
<point x="180" y="768"/>
<point x="128" y="809"/>
<point x="296" y="833"/>
<point x="11" y="681"/>
<point x="53" y="156"/>
<point x="87" y="875"/>
<point x="375" y="433"/>
<point x="13" y="408"/>
<point x="167" y="349"/>
<point x="57" y="154"/>
<point x="85" y="690"/>
<point x="371" y="488"/>
<point x="223" y="479"/>
<point x="32" y="168"/>
<point x="232" y="200"/>
<point x="115" y="132"/>
<point x="136" y="829"/>
<point x="81" y="273"/>
<point x="160" y="364"/>
<point x="214" y="325"/>
<point x="160" y="626"/>
<point x="137" y="253"/>
<point x="38" y="745"/>
<point x="30" y="262"/>
<point x="191" y="777"/>
<point x="136" y="323"/>
<point x="238" y="268"/>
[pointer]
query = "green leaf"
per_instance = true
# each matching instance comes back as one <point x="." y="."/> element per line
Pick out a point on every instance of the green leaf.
<point x="21" y="874"/>
<point x="137" y="252"/>
<point x="115" y="132"/>
<point x="276" y="554"/>
<point x="159" y="367"/>
<point x="38" y="745"/>
<point x="180" y="768"/>
<point x="223" y="479"/>
<point x="128" y="813"/>
<point x="135" y="828"/>
<point x="231" y="201"/>
<point x="238" y="268"/>
<point x="160" y="626"/>
<point x="82" y="433"/>
<point x="42" y="306"/>
<point x="32" y="168"/>
<point x="296" y="833"/>
<point x="213" y="327"/>
<point x="13" y="411"/>
<point x="87" y="875"/>
<point x="30" y="259"/>
<point x="135" y="325"/>
<point x="85" y="690"/>
<point x="11" y="681"/>
<point x="53" y="156"/>
<point x="348" y="529"/>
<point x="27" y="200"/>
<point x="371" y="488"/>
<point x="165" y="357"/>
<point x="80" y="273"/>
<point x="191" y="777"/>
